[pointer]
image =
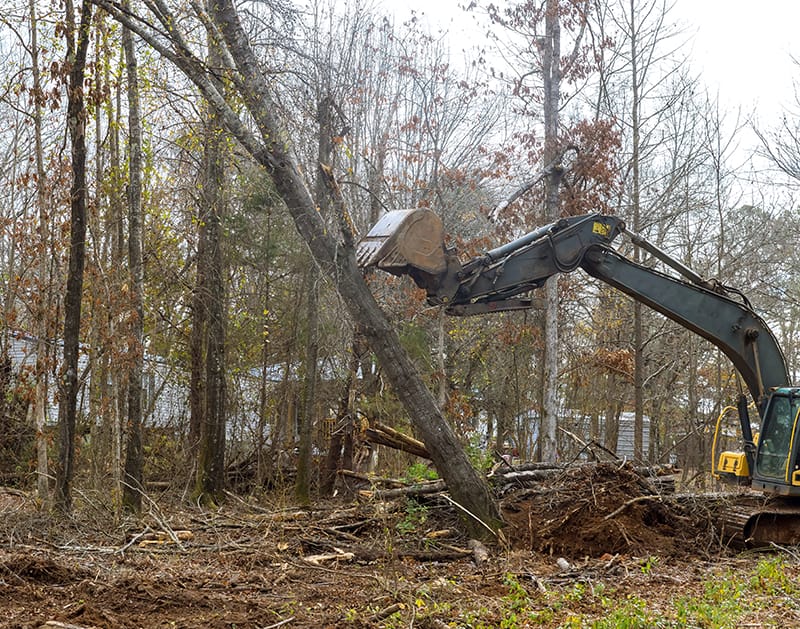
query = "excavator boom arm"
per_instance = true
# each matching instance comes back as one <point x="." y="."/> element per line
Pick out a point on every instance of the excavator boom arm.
<point x="491" y="282"/>
<point x="405" y="244"/>
<point x="732" y="326"/>
<point x="528" y="262"/>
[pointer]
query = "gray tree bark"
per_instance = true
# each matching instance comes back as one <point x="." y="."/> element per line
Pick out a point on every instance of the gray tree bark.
<point x="134" y="462"/>
<point x="552" y="90"/>
<point x="638" y="332"/>
<point x="77" y="45"/>
<point x="210" y="477"/>
<point x="39" y="406"/>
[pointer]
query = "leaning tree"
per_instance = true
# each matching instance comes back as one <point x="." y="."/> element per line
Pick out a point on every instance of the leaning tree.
<point x="261" y="132"/>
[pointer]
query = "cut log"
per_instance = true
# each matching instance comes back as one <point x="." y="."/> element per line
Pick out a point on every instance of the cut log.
<point x="318" y="560"/>
<point x="420" y="489"/>
<point x="397" y="441"/>
<point x="396" y="434"/>
<point x="373" y="480"/>
<point x="660" y="477"/>
<point x="480" y="553"/>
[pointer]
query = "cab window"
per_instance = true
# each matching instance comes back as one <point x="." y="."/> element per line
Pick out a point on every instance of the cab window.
<point x="776" y="437"/>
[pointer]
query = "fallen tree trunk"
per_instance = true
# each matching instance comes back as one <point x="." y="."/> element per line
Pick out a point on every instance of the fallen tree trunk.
<point x="658" y="479"/>
<point x="386" y="436"/>
<point x="420" y="489"/>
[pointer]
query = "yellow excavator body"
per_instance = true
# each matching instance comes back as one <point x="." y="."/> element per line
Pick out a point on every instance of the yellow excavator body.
<point x="733" y="464"/>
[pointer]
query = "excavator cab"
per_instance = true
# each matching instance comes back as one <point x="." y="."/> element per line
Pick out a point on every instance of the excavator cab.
<point x="772" y="462"/>
<point x="777" y="460"/>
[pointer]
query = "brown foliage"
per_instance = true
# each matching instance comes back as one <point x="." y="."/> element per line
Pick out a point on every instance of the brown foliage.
<point x="593" y="180"/>
<point x="618" y="360"/>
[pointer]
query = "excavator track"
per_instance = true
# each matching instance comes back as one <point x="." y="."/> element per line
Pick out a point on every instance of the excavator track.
<point x="755" y="522"/>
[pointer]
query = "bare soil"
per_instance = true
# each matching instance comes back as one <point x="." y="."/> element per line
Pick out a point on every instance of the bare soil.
<point x="359" y="563"/>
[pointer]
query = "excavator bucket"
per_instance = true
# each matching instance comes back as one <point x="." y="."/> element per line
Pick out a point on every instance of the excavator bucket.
<point x="403" y="240"/>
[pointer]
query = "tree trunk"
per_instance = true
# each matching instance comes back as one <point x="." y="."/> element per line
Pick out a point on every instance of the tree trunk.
<point x="211" y="463"/>
<point x="441" y="350"/>
<point x="210" y="478"/>
<point x="552" y="86"/>
<point x="638" y="334"/>
<point x="134" y="463"/>
<point x="697" y="454"/>
<point x="76" y="125"/>
<point x="343" y="423"/>
<point x="263" y="389"/>
<point x="39" y="407"/>
<point x="308" y="399"/>
<point x="613" y="412"/>
<point x="115" y="227"/>
<point x="98" y="383"/>
<point x="197" y="349"/>
<point x="327" y="481"/>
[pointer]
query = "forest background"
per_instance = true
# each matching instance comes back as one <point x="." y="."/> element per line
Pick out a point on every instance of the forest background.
<point x="165" y="325"/>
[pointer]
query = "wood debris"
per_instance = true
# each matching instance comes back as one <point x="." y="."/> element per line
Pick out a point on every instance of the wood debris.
<point x="388" y="436"/>
<point x="596" y="509"/>
<point x="318" y="560"/>
<point x="159" y="538"/>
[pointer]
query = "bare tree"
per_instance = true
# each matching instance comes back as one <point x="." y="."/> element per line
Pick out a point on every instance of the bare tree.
<point x="78" y="38"/>
<point x="39" y="406"/>
<point x="782" y="145"/>
<point x="542" y="74"/>
<point x="134" y="463"/>
<point x="551" y="79"/>
<point x="643" y="25"/>
<point x="641" y="90"/>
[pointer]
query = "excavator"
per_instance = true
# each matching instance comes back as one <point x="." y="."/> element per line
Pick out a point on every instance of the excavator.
<point x="412" y="242"/>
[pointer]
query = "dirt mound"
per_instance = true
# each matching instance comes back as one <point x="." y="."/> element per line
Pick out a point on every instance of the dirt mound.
<point x="22" y="568"/>
<point x="592" y="510"/>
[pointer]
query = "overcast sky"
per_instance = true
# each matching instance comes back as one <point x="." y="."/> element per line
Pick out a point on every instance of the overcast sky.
<point x="742" y="47"/>
<point x="746" y="47"/>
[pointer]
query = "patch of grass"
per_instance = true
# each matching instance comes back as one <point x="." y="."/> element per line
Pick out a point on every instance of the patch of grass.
<point x="415" y="516"/>
<point x="764" y="594"/>
<point x="418" y="472"/>
<point x="727" y="599"/>
<point x="770" y="578"/>
<point x="631" y="613"/>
